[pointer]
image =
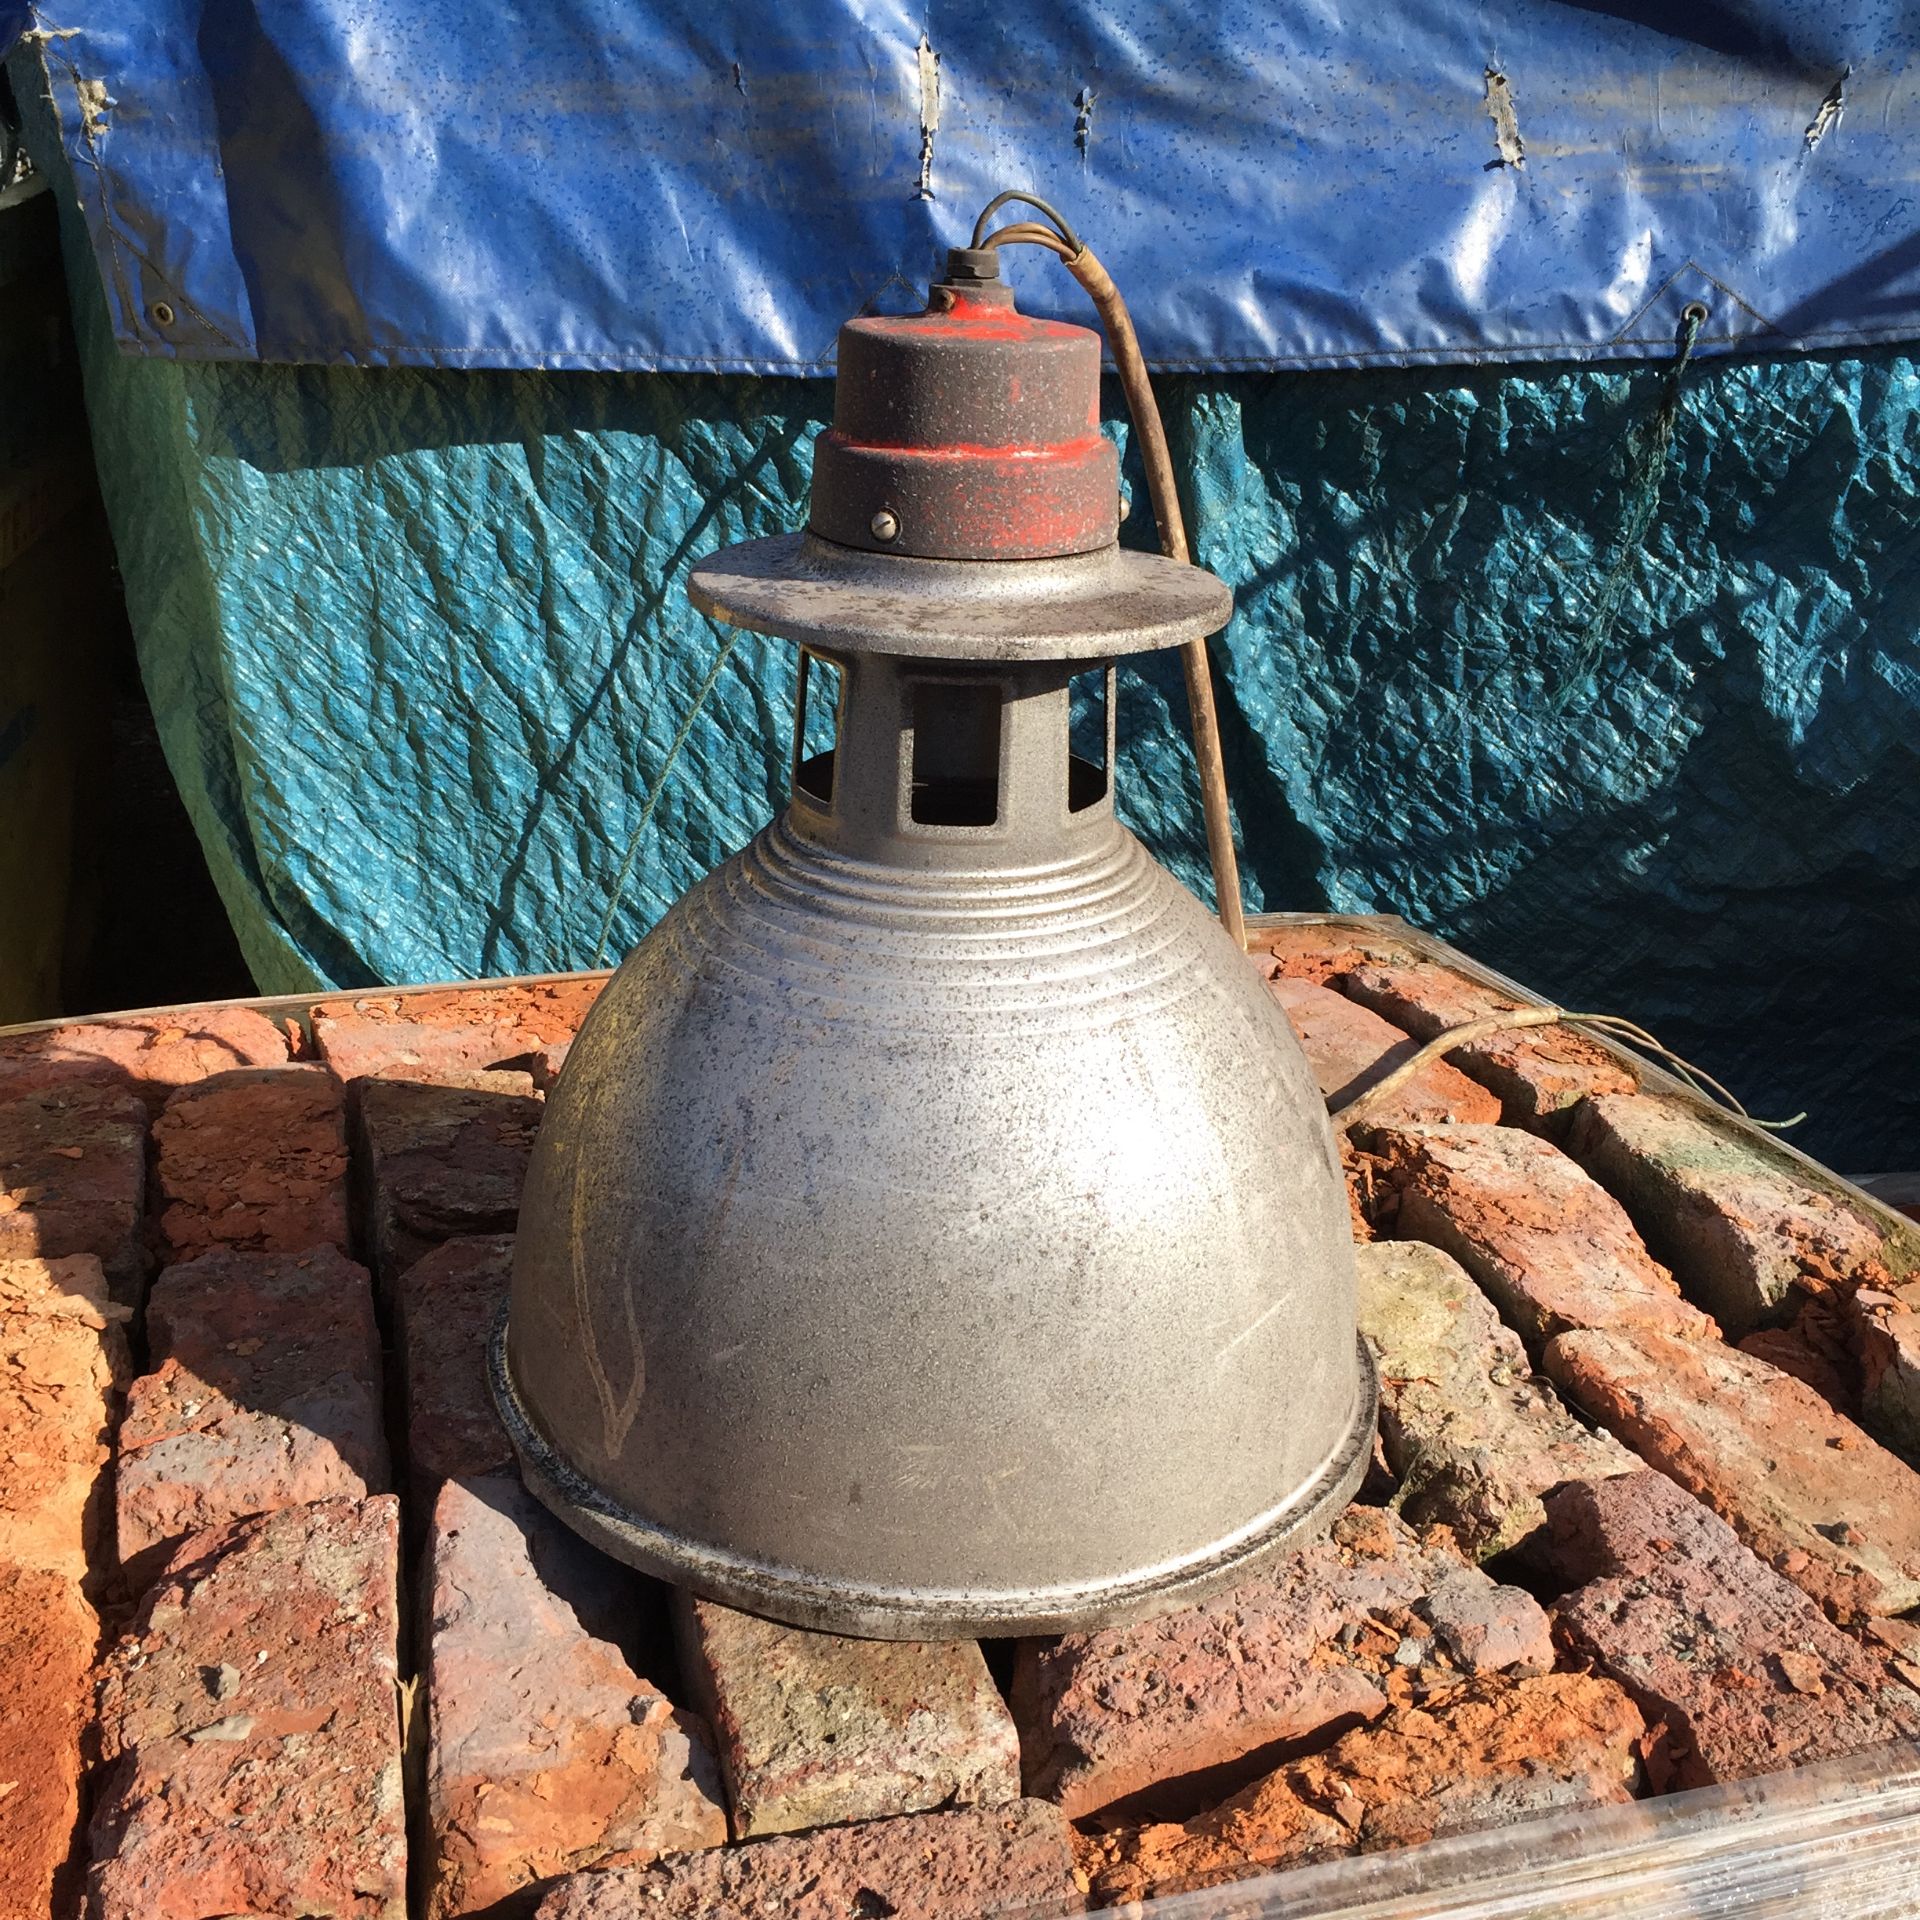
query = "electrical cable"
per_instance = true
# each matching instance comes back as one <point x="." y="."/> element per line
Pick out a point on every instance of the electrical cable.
<point x="1151" y="436"/>
<point x="1611" y="1024"/>
<point x="1000" y="200"/>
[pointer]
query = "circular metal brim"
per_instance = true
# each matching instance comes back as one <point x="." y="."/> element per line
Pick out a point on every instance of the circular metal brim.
<point x="804" y="1599"/>
<point x="1089" y="606"/>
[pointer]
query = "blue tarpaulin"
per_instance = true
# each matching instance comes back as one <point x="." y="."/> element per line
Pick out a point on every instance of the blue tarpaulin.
<point x="715" y="184"/>
<point x="1612" y="679"/>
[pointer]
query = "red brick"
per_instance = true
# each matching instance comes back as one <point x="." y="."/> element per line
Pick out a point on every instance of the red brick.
<point x="47" y="1634"/>
<point x="446" y="1306"/>
<point x="146" y="1053"/>
<point x="1885" y="1329"/>
<point x="445" y="1033"/>
<point x="547" y="1752"/>
<point x="1551" y="1248"/>
<point x="1811" y="1493"/>
<point x="439" y="1162"/>
<point x="265" y="1394"/>
<point x="929" y="1866"/>
<point x="1817" y="1347"/>
<point x="250" y="1731"/>
<point x="1746" y="1236"/>
<point x="73" y="1179"/>
<point x="255" y="1160"/>
<point x="1474" y="1437"/>
<point x="1348" y="1048"/>
<point x="63" y="1362"/>
<point x="1168" y="1712"/>
<point x="817" y="1730"/>
<point x="1739" y="1669"/>
<point x="1322" y="950"/>
<point x="1538" y="1073"/>
<point x="1487" y="1754"/>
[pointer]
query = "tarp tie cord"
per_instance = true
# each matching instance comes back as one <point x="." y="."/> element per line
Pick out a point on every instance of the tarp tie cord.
<point x="1609" y="1024"/>
<point x="694" y="707"/>
<point x="1644" y="477"/>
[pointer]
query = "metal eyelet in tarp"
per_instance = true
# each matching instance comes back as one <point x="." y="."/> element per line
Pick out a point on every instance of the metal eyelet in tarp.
<point x="715" y="186"/>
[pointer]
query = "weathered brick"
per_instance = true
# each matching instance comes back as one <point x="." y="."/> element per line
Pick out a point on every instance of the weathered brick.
<point x="1811" y="1493"/>
<point x="438" y="1162"/>
<point x="1538" y="1073"/>
<point x="445" y="1034"/>
<point x="250" y="1731"/>
<point x="63" y="1361"/>
<point x="1885" y="1329"/>
<point x="1746" y="1237"/>
<point x="1170" y="1711"/>
<point x="816" y="1730"/>
<point x="1816" y="1346"/>
<point x="149" y="1054"/>
<point x="1487" y="1754"/>
<point x="73" y="1178"/>
<point x="47" y="1634"/>
<point x="1349" y="1048"/>
<point x="1552" y="1248"/>
<point x="547" y="1752"/>
<point x="931" y="1866"/>
<point x="1739" y="1672"/>
<point x="265" y="1393"/>
<point x="255" y="1160"/>
<point x="1473" y="1436"/>
<point x="1322" y="950"/>
<point x="446" y="1304"/>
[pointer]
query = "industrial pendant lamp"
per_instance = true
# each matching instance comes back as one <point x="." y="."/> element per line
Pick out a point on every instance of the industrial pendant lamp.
<point x="936" y="1229"/>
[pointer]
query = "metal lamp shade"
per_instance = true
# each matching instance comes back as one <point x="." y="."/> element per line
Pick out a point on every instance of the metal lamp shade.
<point x="936" y="1229"/>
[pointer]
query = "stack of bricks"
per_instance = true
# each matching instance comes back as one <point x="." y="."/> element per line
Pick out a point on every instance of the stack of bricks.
<point x="1644" y="1517"/>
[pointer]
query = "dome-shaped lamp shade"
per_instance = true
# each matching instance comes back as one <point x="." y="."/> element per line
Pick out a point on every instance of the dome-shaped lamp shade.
<point x="936" y="1228"/>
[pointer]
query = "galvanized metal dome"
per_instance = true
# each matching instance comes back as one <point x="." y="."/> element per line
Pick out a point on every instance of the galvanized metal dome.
<point x="936" y="1228"/>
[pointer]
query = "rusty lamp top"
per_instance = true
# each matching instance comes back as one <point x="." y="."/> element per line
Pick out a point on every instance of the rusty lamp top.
<point x="969" y="434"/>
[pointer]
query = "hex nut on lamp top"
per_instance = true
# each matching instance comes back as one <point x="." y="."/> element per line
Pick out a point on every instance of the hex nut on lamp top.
<point x="936" y="1230"/>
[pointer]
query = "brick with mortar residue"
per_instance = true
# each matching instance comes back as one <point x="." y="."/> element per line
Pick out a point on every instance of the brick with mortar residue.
<point x="1738" y="1671"/>
<point x="815" y="1729"/>
<point x="255" y="1159"/>
<point x="63" y="1362"/>
<point x="1162" y="1713"/>
<point x="438" y="1162"/>
<point x="265" y="1393"/>
<point x="1321" y="950"/>
<point x="1811" y="1493"/>
<point x="446" y="1304"/>
<point x="250" y="1731"/>
<point x="1490" y="1753"/>
<point x="1746" y="1236"/>
<point x="929" y="1866"/>
<point x="1347" y="1047"/>
<point x="1551" y="1247"/>
<point x="546" y="1751"/>
<point x="149" y="1054"/>
<point x="47" y="1634"/>
<point x="1473" y="1436"/>
<point x="440" y="1035"/>
<point x="1538" y="1073"/>
<point x="73" y="1179"/>
<point x="1885" y="1340"/>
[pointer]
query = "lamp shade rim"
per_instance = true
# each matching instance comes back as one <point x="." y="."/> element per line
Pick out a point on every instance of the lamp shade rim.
<point x="804" y="1598"/>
